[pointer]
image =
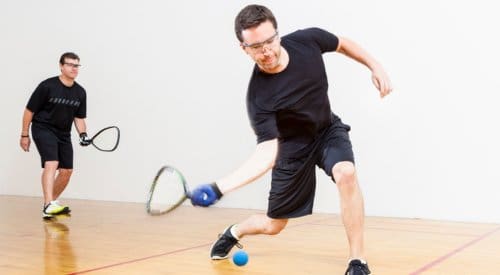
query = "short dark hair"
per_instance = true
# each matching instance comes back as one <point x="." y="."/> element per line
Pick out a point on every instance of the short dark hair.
<point x="252" y="16"/>
<point x="69" y="55"/>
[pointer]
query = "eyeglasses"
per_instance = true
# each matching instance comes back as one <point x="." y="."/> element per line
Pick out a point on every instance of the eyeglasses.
<point x="73" y="65"/>
<point x="258" y="47"/>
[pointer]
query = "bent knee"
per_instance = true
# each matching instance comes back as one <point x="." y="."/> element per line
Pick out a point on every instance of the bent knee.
<point x="275" y="226"/>
<point x="344" y="172"/>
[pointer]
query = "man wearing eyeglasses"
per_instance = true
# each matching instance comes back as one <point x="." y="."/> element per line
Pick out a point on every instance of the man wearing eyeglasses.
<point x="289" y="109"/>
<point x="51" y="110"/>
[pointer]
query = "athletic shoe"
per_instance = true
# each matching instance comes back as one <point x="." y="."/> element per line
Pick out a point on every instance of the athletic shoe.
<point x="220" y="249"/>
<point x="356" y="267"/>
<point x="52" y="209"/>
<point x="66" y="209"/>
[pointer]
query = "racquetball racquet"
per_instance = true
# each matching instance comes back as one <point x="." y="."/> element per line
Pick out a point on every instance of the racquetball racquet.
<point x="168" y="191"/>
<point x="107" y="139"/>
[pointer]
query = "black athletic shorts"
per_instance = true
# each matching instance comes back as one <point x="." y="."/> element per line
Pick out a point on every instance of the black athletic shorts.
<point x="294" y="174"/>
<point x="53" y="145"/>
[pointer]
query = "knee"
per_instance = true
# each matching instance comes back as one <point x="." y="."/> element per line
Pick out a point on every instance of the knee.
<point x="344" y="172"/>
<point x="51" y="165"/>
<point x="274" y="226"/>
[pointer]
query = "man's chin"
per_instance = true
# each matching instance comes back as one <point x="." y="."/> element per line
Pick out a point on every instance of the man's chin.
<point x="268" y="66"/>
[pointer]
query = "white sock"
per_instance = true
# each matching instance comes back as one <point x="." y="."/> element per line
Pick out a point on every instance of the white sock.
<point x="233" y="232"/>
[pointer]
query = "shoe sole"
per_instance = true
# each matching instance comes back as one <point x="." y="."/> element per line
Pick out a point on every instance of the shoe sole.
<point x="56" y="217"/>
<point x="65" y="211"/>
<point x="48" y="216"/>
<point x="218" y="258"/>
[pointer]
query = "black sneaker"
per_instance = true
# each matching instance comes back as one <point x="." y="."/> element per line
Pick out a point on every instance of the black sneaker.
<point x="221" y="247"/>
<point x="356" y="267"/>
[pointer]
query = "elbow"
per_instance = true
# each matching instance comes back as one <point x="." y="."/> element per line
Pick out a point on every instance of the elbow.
<point x="274" y="157"/>
<point x="267" y="152"/>
<point x="271" y="162"/>
<point x="268" y="160"/>
<point x="273" y="154"/>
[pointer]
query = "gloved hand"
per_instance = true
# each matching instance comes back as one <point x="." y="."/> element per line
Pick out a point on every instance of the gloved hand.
<point x="84" y="139"/>
<point x="205" y="194"/>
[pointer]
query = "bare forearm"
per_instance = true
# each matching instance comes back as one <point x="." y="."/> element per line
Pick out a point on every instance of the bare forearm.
<point x="354" y="51"/>
<point x="80" y="125"/>
<point x="254" y="167"/>
<point x="379" y="77"/>
<point x="27" y="118"/>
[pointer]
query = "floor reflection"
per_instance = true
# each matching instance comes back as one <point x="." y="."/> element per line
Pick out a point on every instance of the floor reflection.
<point x="59" y="257"/>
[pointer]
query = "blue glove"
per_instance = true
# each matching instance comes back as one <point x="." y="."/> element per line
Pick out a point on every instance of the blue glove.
<point x="84" y="139"/>
<point x="205" y="195"/>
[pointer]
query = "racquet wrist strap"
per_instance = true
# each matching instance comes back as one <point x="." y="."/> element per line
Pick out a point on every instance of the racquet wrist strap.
<point x="216" y="190"/>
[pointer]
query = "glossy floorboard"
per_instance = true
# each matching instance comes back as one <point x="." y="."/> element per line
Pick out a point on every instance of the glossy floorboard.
<point x="120" y="238"/>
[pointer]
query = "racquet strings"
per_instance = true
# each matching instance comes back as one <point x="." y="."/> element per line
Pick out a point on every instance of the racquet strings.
<point x="107" y="140"/>
<point x="167" y="192"/>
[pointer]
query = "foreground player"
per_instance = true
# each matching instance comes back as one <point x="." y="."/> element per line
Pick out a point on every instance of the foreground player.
<point x="290" y="112"/>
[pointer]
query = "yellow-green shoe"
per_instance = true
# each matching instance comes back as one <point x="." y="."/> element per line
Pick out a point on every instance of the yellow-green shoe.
<point x="52" y="209"/>
<point x="66" y="209"/>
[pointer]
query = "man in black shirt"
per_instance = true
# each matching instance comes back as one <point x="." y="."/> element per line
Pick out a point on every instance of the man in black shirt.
<point x="296" y="130"/>
<point x="51" y="110"/>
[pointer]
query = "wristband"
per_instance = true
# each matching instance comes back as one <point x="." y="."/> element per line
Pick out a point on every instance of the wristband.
<point x="23" y="136"/>
<point x="216" y="190"/>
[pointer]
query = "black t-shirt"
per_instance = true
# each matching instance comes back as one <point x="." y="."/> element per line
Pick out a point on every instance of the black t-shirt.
<point x="56" y="105"/>
<point x="293" y="105"/>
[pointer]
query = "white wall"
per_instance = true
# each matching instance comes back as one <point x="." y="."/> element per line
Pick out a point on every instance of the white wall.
<point x="171" y="75"/>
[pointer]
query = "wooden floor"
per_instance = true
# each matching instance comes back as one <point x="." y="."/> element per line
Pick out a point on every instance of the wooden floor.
<point x="120" y="238"/>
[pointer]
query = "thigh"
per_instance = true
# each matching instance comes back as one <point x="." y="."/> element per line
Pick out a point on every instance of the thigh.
<point x="46" y="143"/>
<point x="337" y="147"/>
<point x="292" y="188"/>
<point x="65" y="152"/>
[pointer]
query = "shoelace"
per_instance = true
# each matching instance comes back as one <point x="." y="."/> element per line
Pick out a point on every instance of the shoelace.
<point x="238" y="245"/>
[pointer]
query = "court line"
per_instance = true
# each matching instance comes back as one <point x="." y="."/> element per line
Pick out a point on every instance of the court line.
<point x="163" y="254"/>
<point x="139" y="259"/>
<point x="453" y="252"/>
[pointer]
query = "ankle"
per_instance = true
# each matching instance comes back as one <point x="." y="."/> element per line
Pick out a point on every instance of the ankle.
<point x="234" y="231"/>
<point x="362" y="260"/>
